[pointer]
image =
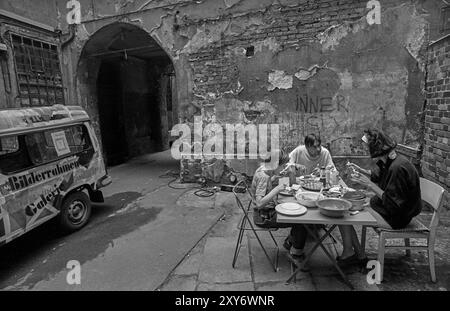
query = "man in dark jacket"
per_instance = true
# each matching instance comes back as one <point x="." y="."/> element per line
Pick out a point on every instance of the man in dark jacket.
<point x="396" y="185"/>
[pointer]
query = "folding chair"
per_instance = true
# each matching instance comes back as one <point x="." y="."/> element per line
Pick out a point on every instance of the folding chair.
<point x="431" y="193"/>
<point x="246" y="224"/>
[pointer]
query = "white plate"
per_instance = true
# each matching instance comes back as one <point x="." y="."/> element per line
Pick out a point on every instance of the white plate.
<point x="286" y="193"/>
<point x="337" y="189"/>
<point x="291" y="209"/>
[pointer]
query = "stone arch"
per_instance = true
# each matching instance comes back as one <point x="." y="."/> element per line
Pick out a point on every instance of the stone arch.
<point x="126" y="81"/>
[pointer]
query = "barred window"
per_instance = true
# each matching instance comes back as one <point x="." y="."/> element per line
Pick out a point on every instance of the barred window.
<point x="38" y="71"/>
<point x="445" y="18"/>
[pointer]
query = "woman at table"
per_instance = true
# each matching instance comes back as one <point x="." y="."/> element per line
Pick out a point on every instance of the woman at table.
<point x="396" y="185"/>
<point x="265" y="196"/>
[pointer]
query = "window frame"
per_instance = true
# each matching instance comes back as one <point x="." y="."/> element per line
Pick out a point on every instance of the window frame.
<point x="445" y="24"/>
<point x="52" y="90"/>
<point x="59" y="158"/>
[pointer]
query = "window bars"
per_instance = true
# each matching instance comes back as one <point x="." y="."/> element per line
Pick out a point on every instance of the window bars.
<point x="38" y="72"/>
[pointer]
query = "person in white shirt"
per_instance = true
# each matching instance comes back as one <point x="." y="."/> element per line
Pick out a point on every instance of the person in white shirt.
<point x="309" y="158"/>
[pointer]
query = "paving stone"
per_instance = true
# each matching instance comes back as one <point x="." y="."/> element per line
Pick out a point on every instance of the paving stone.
<point x="304" y="284"/>
<point x="263" y="271"/>
<point x="226" y="200"/>
<point x="247" y="286"/>
<point x="217" y="260"/>
<point x="330" y="283"/>
<point x="359" y="281"/>
<point x="191" y="263"/>
<point x="227" y="226"/>
<point x="189" y="199"/>
<point x="320" y="264"/>
<point x="181" y="283"/>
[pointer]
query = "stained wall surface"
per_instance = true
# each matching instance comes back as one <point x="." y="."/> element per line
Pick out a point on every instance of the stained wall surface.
<point x="310" y="66"/>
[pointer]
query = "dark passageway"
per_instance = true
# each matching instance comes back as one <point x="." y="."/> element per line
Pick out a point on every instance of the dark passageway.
<point x="110" y="111"/>
<point x="134" y="91"/>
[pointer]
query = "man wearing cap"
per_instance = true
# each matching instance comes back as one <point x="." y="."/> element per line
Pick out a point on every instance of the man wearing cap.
<point x="396" y="185"/>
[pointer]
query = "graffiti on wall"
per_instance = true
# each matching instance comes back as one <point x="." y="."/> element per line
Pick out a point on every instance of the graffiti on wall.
<point x="320" y="104"/>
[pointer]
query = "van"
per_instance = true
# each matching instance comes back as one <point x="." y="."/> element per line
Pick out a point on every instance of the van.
<point x="51" y="166"/>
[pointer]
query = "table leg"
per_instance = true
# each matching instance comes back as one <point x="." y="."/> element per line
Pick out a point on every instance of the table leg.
<point x="333" y="260"/>
<point x="308" y="255"/>
<point x="319" y="243"/>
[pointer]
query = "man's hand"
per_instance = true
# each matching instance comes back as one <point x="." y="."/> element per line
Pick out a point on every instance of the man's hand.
<point x="300" y="168"/>
<point x="365" y="181"/>
<point x="316" y="171"/>
<point x="361" y="179"/>
<point x="357" y="168"/>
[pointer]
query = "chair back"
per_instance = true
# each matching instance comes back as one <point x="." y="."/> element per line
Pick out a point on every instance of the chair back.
<point x="432" y="193"/>
<point x="238" y="200"/>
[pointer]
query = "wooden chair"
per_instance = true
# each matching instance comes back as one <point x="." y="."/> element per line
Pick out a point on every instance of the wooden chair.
<point x="431" y="193"/>
<point x="246" y="224"/>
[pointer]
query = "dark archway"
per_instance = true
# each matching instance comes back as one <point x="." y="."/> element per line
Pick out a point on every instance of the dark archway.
<point x="133" y="91"/>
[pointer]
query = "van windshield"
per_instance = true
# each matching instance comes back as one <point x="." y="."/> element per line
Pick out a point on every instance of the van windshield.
<point x="26" y="151"/>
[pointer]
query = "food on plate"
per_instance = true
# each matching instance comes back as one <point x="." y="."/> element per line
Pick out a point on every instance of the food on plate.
<point x="308" y="198"/>
<point x="340" y="189"/>
<point x="288" y="191"/>
<point x="357" y="198"/>
<point x="308" y="177"/>
<point x="295" y="187"/>
<point x="354" y="195"/>
<point x="313" y="185"/>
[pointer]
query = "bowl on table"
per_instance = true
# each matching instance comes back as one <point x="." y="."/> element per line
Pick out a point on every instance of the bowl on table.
<point x="333" y="207"/>
<point x="357" y="198"/>
<point x="307" y="198"/>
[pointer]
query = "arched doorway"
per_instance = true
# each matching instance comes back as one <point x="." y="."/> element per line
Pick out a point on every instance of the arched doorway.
<point x="131" y="80"/>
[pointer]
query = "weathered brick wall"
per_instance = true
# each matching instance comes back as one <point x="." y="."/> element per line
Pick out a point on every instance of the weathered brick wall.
<point x="436" y="154"/>
<point x="307" y="65"/>
<point x="336" y="74"/>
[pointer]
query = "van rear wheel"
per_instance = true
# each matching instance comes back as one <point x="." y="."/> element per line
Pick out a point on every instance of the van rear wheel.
<point x="75" y="211"/>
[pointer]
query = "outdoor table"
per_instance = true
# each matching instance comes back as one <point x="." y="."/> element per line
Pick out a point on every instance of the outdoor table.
<point x="313" y="216"/>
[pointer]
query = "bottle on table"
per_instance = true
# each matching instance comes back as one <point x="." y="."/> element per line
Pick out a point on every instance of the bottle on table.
<point x="334" y="177"/>
<point x="328" y="176"/>
<point x="323" y="178"/>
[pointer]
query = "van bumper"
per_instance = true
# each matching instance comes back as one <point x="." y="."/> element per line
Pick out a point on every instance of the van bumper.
<point x="104" y="181"/>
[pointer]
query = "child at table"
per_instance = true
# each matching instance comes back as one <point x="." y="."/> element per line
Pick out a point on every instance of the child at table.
<point x="264" y="198"/>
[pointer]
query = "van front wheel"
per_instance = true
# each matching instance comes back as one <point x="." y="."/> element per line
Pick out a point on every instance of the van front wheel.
<point x="75" y="211"/>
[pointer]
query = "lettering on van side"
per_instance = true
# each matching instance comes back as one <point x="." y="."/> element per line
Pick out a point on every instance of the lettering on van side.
<point x="32" y="208"/>
<point x="26" y="180"/>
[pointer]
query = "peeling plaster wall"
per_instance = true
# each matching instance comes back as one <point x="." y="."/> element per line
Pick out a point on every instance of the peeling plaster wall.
<point x="334" y="80"/>
<point x="42" y="11"/>
<point x="312" y="66"/>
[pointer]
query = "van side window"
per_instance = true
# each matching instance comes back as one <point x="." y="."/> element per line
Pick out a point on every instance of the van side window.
<point x="25" y="151"/>
<point x="9" y="145"/>
<point x="14" y="154"/>
<point x="42" y="147"/>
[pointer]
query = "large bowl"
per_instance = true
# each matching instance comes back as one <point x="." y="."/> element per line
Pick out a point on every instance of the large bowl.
<point x="333" y="207"/>
<point x="357" y="199"/>
<point x="307" y="198"/>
